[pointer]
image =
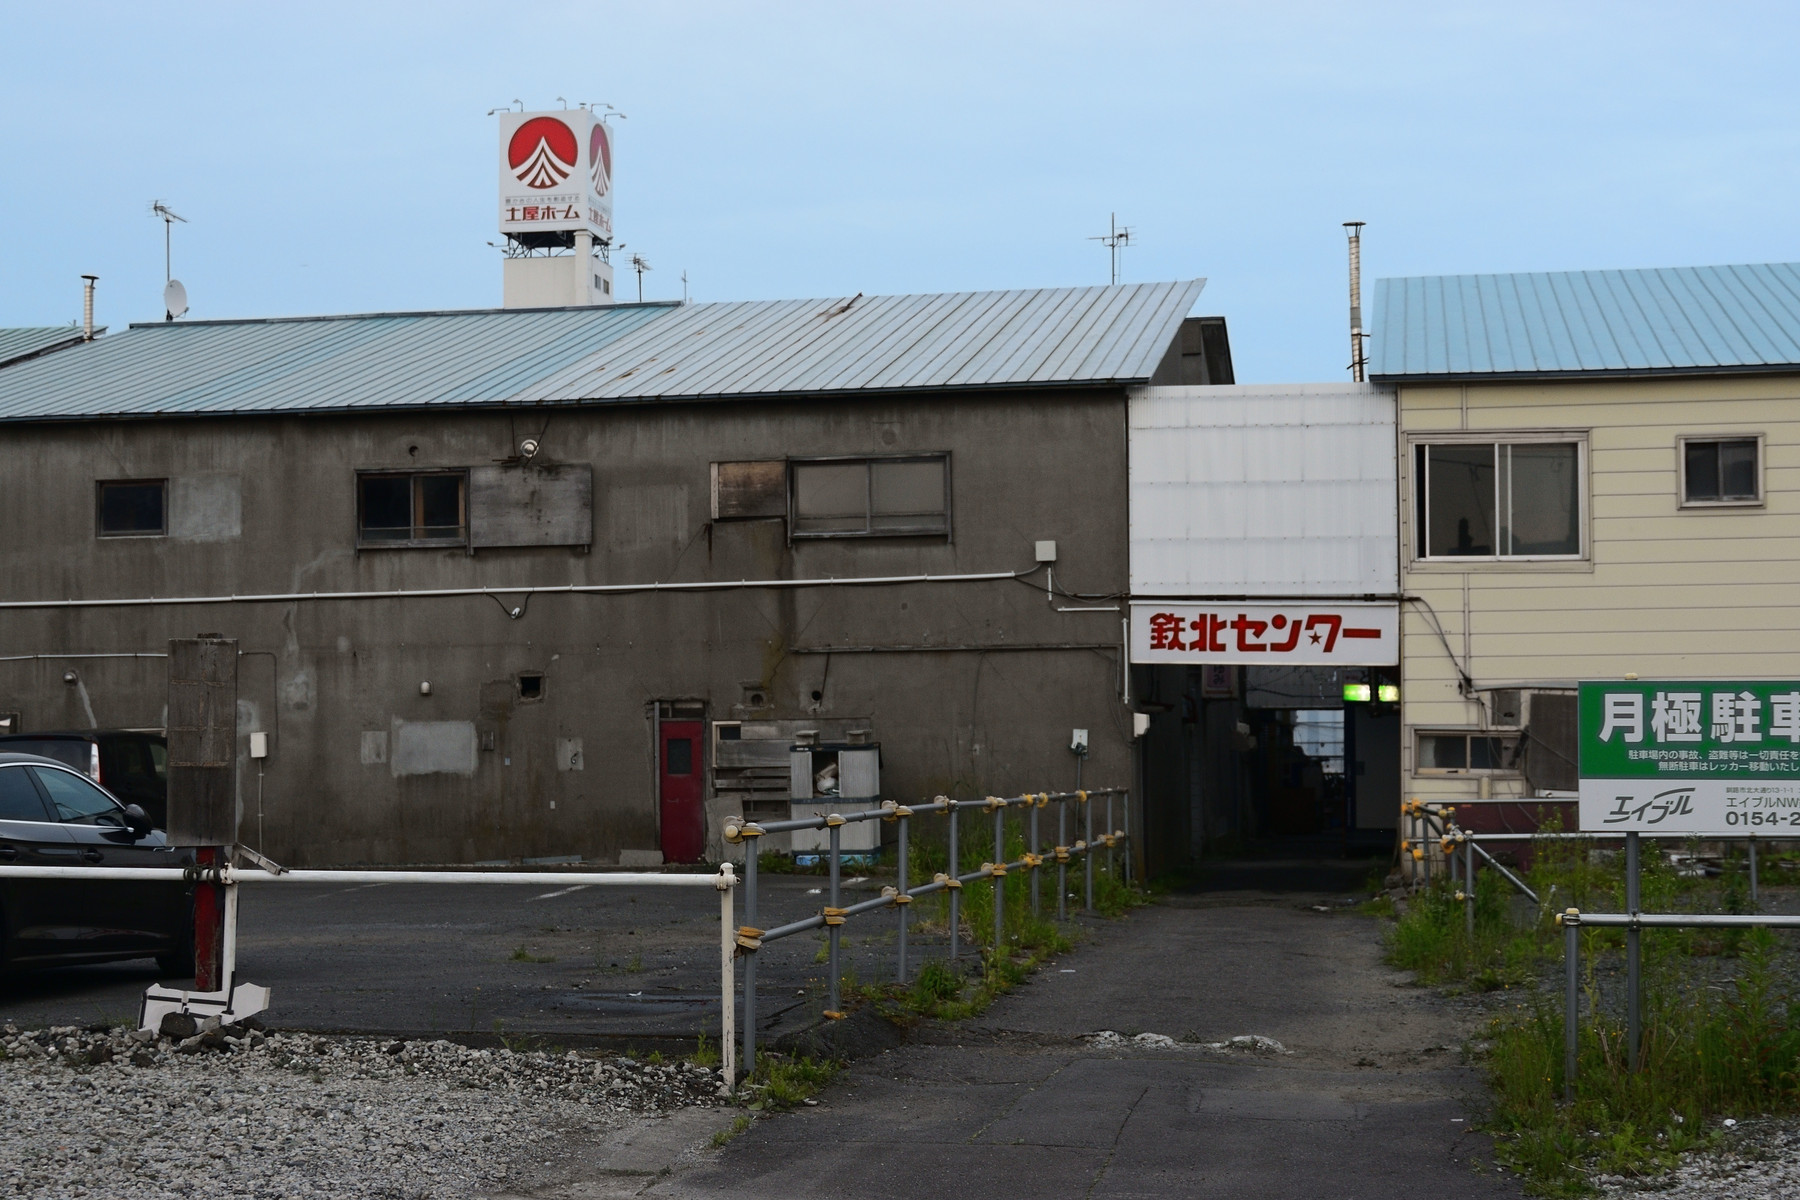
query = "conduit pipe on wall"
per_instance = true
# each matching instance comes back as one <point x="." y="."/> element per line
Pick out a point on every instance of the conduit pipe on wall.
<point x="497" y="592"/>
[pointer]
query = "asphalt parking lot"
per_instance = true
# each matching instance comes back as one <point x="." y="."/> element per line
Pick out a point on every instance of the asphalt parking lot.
<point x="580" y="964"/>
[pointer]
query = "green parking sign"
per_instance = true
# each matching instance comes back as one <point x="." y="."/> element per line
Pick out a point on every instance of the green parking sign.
<point x="1720" y="757"/>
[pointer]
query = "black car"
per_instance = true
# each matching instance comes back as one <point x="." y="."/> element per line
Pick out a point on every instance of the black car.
<point x="132" y="764"/>
<point x="54" y="815"/>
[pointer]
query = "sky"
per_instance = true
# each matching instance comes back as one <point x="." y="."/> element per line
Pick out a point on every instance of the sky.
<point x="335" y="158"/>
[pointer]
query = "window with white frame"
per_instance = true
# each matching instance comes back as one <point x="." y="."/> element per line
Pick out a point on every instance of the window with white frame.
<point x="1519" y="499"/>
<point x="1466" y="752"/>
<point x="1721" y="471"/>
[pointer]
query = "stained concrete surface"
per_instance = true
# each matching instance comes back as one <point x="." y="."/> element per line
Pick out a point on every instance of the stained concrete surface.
<point x="1371" y="1100"/>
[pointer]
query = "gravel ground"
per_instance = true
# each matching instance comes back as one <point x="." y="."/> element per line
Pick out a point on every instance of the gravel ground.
<point x="1763" y="1163"/>
<point x="240" y="1113"/>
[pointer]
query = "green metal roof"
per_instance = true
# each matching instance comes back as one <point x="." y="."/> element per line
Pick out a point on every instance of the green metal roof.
<point x="19" y="344"/>
<point x="1677" y="320"/>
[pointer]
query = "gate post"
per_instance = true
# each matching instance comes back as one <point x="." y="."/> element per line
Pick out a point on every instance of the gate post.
<point x="202" y="768"/>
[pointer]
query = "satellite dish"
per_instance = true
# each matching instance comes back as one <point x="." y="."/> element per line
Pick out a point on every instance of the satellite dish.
<point x="174" y="299"/>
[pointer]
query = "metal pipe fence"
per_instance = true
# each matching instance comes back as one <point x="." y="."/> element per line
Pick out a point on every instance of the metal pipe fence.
<point x="750" y="939"/>
<point x="1632" y="921"/>
<point x="1451" y="837"/>
<point x="736" y="940"/>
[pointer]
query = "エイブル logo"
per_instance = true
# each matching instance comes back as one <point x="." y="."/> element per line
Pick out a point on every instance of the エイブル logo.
<point x="600" y="160"/>
<point x="542" y="152"/>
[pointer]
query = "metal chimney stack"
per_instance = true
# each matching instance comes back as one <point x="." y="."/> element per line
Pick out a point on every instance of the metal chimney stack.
<point x="87" y="307"/>
<point x="1357" y="362"/>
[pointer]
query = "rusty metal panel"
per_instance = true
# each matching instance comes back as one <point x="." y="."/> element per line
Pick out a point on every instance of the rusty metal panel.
<point x="749" y="489"/>
<point x="203" y="741"/>
<point x="531" y="506"/>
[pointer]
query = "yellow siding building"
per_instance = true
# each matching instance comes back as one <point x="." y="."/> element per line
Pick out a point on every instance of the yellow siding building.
<point x="1600" y="477"/>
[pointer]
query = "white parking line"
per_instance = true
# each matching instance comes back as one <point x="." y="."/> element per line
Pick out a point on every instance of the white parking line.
<point x="347" y="891"/>
<point x="553" y="895"/>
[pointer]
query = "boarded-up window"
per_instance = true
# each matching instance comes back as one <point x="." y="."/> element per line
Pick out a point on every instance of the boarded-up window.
<point x="1550" y="751"/>
<point x="872" y="496"/>
<point x="550" y="505"/>
<point x="742" y="490"/>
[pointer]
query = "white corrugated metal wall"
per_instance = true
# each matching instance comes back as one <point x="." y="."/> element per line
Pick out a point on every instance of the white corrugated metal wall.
<point x="1284" y="490"/>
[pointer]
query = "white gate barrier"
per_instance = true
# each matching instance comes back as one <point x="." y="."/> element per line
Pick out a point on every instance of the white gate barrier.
<point x="237" y="1000"/>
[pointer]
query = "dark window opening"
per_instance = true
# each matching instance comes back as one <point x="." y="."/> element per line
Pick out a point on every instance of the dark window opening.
<point x="872" y="497"/>
<point x="531" y="686"/>
<point x="1441" y="752"/>
<point x="133" y="508"/>
<point x="421" y="509"/>
<point x="1721" y="472"/>
<point x="681" y="756"/>
<point x="1498" y="499"/>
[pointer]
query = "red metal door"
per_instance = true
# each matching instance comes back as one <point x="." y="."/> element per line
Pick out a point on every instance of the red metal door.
<point x="683" y="819"/>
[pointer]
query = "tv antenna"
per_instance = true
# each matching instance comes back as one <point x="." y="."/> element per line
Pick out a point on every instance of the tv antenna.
<point x="640" y="266"/>
<point x="175" y="301"/>
<point x="1115" y="239"/>
<point x="684" y="292"/>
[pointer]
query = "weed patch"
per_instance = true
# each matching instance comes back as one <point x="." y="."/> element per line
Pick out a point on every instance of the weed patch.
<point x="1720" y="1036"/>
<point x="730" y="1133"/>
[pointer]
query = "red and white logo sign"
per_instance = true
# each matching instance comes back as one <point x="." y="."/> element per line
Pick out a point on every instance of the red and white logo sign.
<point x="543" y="152"/>
<point x="600" y="160"/>
<point x="1353" y="634"/>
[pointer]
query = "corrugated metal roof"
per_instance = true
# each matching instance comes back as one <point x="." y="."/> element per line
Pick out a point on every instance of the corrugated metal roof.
<point x="1668" y="320"/>
<point x="402" y="360"/>
<point x="883" y="343"/>
<point x="16" y="344"/>
<point x="626" y="352"/>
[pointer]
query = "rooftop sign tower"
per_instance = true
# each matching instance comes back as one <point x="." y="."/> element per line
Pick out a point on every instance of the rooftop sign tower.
<point x="555" y="208"/>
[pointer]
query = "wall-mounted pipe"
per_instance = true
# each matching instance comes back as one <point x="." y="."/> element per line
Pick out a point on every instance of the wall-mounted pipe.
<point x="578" y="589"/>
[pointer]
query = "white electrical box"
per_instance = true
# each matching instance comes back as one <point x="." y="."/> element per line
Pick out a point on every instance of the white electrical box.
<point x="1046" y="552"/>
<point x="259" y="745"/>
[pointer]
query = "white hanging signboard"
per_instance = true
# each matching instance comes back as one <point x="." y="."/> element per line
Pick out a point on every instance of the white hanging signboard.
<point x="1351" y="634"/>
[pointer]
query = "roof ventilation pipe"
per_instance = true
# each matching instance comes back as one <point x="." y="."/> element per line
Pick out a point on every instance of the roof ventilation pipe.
<point x="87" y="307"/>
<point x="1357" y="362"/>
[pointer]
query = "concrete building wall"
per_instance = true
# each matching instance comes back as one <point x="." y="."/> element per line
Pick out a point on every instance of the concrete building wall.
<point x="364" y="768"/>
<point x="1661" y="590"/>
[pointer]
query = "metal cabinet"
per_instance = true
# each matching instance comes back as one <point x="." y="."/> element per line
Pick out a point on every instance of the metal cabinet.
<point x="840" y="777"/>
